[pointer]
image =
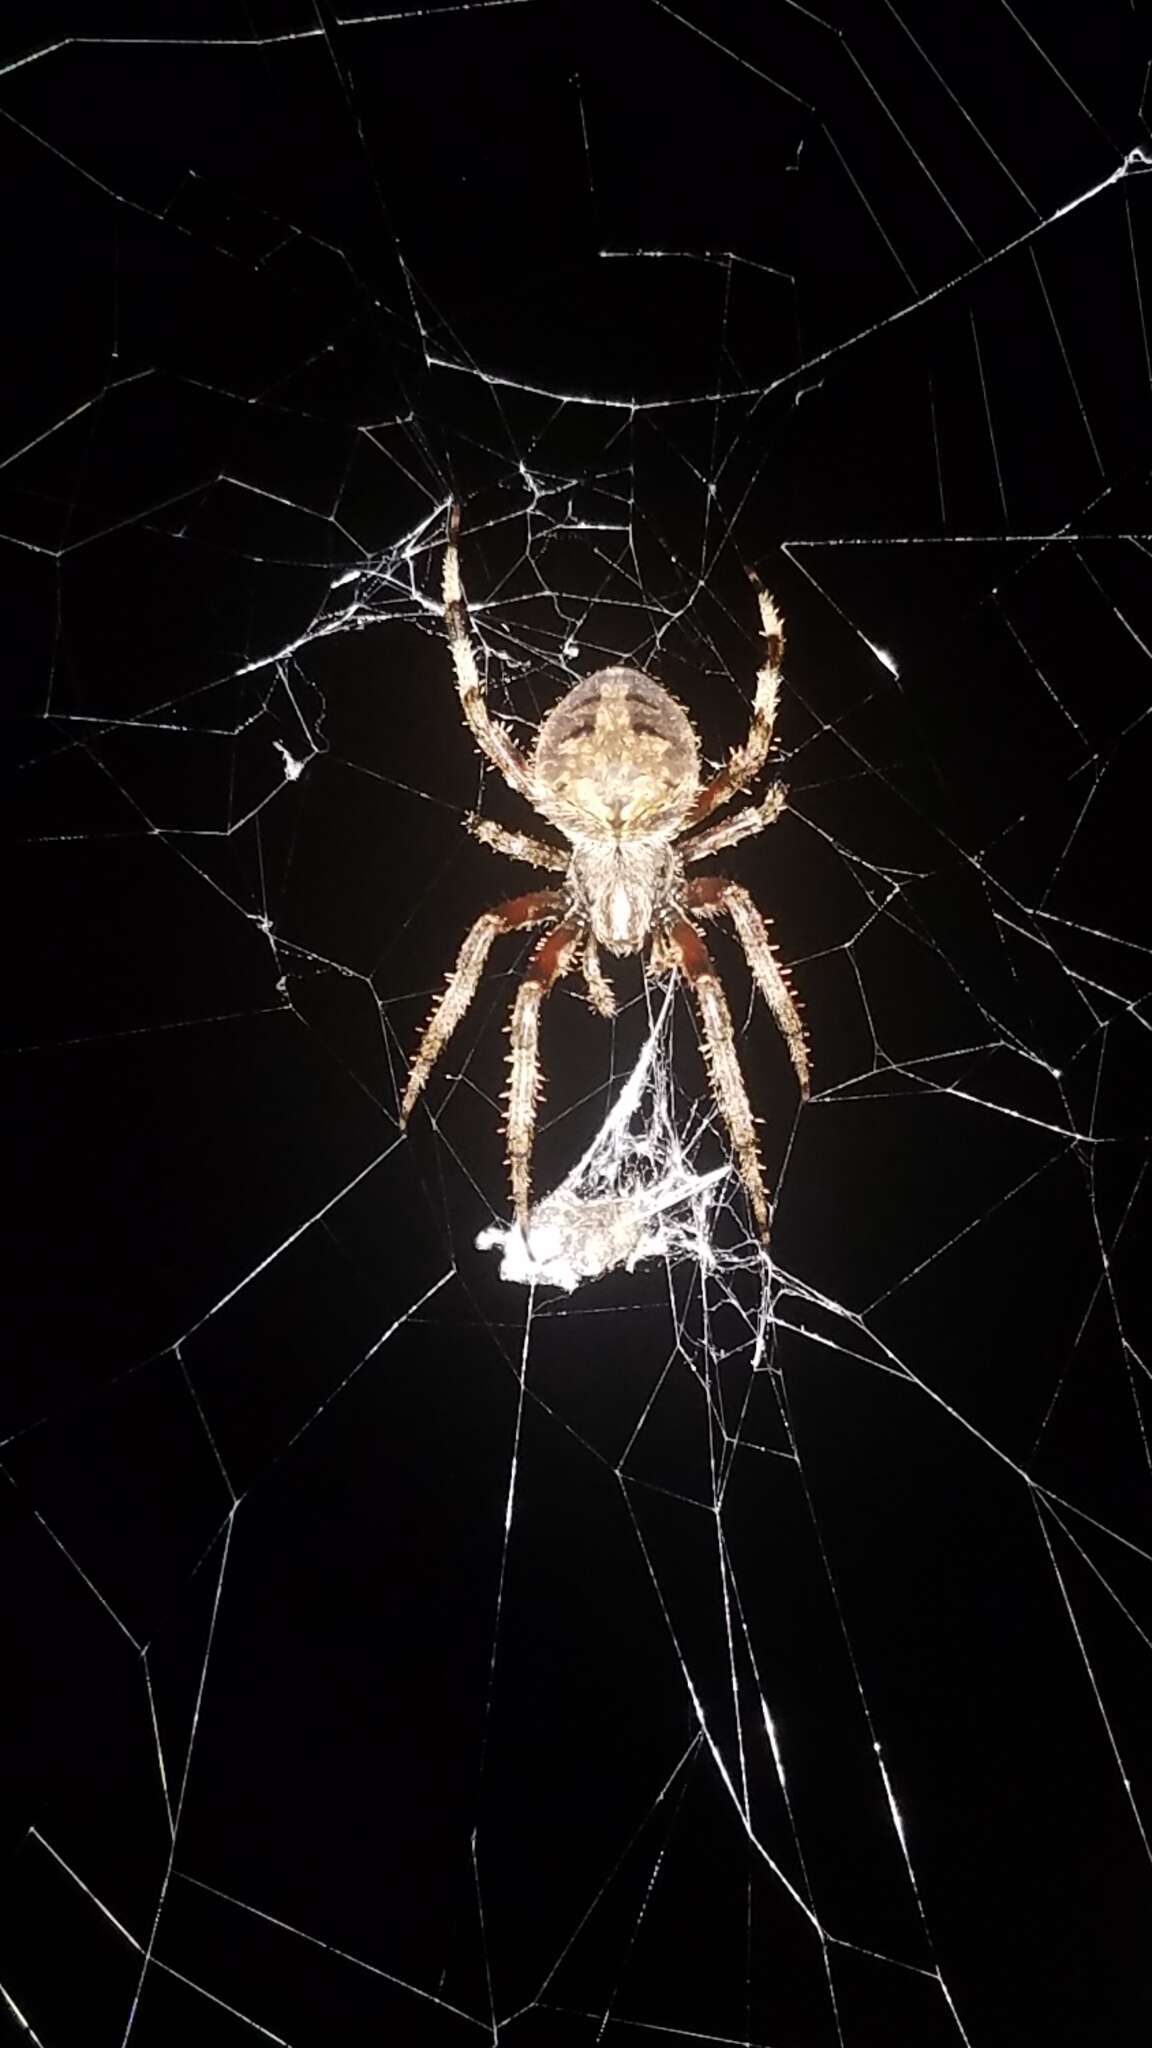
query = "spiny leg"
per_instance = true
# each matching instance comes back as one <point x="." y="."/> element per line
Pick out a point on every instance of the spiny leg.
<point x="552" y="958"/>
<point x="517" y="845"/>
<point x="742" y="826"/>
<point x="744" y="763"/>
<point x="694" y="959"/>
<point x="515" y="915"/>
<point x="599" y="988"/>
<point x="712" y="896"/>
<point x="492" y="738"/>
<point x="662" y="957"/>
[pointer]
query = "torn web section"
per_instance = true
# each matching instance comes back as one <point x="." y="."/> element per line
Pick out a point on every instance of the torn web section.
<point x="636" y="1193"/>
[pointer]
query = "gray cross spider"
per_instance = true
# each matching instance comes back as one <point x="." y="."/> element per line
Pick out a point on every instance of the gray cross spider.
<point x="616" y="769"/>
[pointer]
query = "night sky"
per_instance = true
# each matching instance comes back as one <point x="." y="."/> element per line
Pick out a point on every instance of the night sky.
<point x="751" y="1650"/>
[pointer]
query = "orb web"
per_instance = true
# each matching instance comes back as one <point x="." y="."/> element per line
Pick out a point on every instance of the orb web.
<point x="690" y="1637"/>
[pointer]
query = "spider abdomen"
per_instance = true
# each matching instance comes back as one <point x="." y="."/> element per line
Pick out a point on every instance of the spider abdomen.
<point x="616" y="759"/>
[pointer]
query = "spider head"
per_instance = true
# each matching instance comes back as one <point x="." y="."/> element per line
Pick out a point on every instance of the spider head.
<point x="616" y="759"/>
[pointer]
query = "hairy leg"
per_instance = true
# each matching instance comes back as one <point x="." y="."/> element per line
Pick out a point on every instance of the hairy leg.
<point x="712" y="896"/>
<point x="742" y="826"/>
<point x="694" y="959"/>
<point x="599" y="987"/>
<point x="516" y="915"/>
<point x="552" y="958"/>
<point x="517" y="845"/>
<point x="744" y="763"/>
<point x="493" y="739"/>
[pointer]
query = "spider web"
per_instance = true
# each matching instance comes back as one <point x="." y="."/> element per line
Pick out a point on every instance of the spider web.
<point x="689" y="1641"/>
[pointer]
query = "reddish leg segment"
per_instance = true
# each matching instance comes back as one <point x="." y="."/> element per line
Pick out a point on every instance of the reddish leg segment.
<point x="553" y="957"/>
<point x="694" y="959"/>
<point x="516" y="915"/>
<point x="713" y="896"/>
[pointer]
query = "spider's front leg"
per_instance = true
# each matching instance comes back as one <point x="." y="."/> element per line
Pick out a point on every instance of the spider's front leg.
<point x="744" y="763"/>
<point x="696" y="963"/>
<point x="553" y="957"/>
<point x="492" y="738"/>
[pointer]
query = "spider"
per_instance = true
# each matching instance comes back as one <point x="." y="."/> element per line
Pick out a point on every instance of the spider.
<point x="616" y="769"/>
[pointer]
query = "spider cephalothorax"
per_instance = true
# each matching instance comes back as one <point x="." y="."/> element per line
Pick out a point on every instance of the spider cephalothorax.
<point x="616" y="769"/>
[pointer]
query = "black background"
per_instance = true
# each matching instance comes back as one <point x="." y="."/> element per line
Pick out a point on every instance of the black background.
<point x="303" y="1750"/>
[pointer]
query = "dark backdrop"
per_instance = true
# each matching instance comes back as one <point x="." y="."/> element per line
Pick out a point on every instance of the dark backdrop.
<point x="310" y="1742"/>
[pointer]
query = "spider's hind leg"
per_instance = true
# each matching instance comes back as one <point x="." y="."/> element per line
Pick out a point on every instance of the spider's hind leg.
<point x="553" y="957"/>
<point x="714" y="896"/>
<point x="514" y="916"/>
<point x="693" y="958"/>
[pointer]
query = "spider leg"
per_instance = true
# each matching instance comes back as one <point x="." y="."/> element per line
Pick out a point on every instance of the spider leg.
<point x="662" y="958"/>
<point x="713" y="896"/>
<point x="551" y="959"/>
<point x="744" y="763"/>
<point x="517" y="845"/>
<point x="695" y="961"/>
<point x="513" y="916"/>
<point x="599" y="987"/>
<point x="493" y="739"/>
<point x="742" y="826"/>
